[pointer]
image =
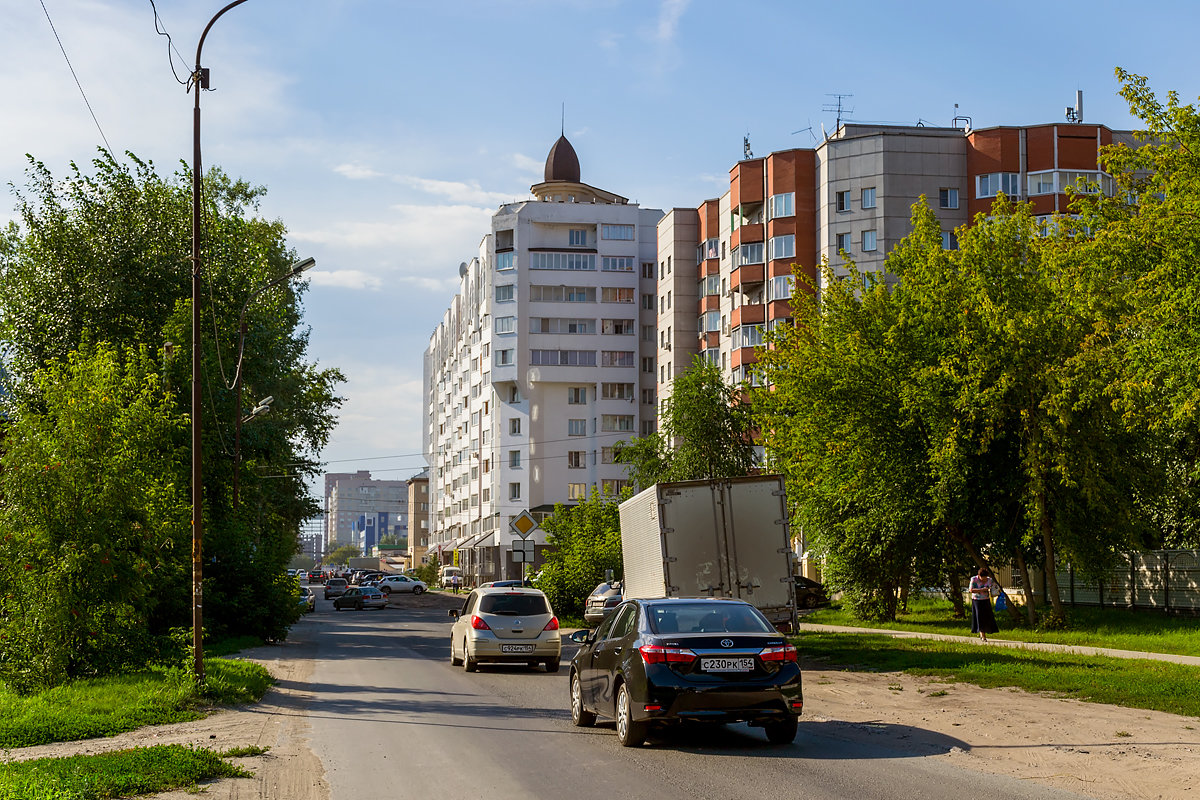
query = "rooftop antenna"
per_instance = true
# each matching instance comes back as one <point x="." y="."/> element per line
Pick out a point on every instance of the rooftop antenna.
<point x="960" y="118"/>
<point x="809" y="130"/>
<point x="1076" y="114"/>
<point x="746" y="151"/>
<point x="838" y="107"/>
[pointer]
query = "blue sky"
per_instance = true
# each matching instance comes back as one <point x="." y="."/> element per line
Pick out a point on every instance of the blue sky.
<point x="387" y="131"/>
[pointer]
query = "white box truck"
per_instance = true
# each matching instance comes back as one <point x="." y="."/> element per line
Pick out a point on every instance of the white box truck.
<point x="723" y="538"/>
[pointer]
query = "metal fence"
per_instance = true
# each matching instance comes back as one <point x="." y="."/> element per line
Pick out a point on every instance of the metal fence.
<point x="1168" y="580"/>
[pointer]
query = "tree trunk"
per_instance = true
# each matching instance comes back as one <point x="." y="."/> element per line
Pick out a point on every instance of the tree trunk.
<point x="956" y="595"/>
<point x="1026" y="588"/>
<point x="1048" y="542"/>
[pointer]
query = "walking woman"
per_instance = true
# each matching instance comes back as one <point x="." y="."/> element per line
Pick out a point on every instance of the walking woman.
<point x="983" y="620"/>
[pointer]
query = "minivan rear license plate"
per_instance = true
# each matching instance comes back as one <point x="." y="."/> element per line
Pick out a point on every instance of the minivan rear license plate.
<point x="727" y="664"/>
<point x="516" y="648"/>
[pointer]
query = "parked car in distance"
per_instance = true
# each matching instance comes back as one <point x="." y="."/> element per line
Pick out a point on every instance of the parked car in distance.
<point x="302" y="576"/>
<point x="335" y="587"/>
<point x="505" y="624"/>
<point x="308" y="600"/>
<point x="400" y="583"/>
<point x="601" y="602"/>
<point x="657" y="663"/>
<point x="502" y="584"/>
<point x="365" y="575"/>
<point x="360" y="597"/>
<point x="809" y="593"/>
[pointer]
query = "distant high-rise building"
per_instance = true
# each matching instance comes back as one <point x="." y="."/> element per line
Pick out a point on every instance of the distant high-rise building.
<point x="361" y="510"/>
<point x="543" y="361"/>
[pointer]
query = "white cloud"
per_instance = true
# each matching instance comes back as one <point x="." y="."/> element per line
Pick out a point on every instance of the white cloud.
<point x="345" y="279"/>
<point x="356" y="172"/>
<point x="525" y="164"/>
<point x="668" y="20"/>
<point x="456" y="191"/>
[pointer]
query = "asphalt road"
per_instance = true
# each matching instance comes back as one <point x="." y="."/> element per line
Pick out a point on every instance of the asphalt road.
<point x="391" y="718"/>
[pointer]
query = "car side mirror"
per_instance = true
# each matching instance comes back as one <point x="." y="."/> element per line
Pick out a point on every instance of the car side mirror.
<point x="581" y="636"/>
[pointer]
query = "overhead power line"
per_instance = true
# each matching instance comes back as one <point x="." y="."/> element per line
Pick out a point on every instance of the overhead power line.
<point x="107" y="146"/>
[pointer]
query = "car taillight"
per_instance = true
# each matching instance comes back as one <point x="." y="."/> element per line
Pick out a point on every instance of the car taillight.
<point x="657" y="654"/>
<point x="552" y="625"/>
<point x="478" y="624"/>
<point x="778" y="654"/>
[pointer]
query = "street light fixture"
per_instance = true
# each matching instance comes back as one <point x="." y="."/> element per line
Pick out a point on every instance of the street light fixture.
<point x="264" y="406"/>
<point x="199" y="80"/>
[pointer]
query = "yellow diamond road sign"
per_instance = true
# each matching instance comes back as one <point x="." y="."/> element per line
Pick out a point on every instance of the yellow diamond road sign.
<point x="523" y="524"/>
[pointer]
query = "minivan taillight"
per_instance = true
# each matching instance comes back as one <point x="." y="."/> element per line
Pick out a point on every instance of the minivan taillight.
<point x="657" y="654"/>
<point x="552" y="625"/>
<point x="778" y="654"/>
<point x="478" y="624"/>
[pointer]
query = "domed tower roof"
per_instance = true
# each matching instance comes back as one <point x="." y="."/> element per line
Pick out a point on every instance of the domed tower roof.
<point x="562" y="164"/>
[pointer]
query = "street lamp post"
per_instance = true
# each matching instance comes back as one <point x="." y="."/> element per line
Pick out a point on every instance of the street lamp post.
<point x="263" y="405"/>
<point x="199" y="81"/>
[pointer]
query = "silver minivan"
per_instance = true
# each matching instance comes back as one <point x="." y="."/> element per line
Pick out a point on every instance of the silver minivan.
<point x="505" y="624"/>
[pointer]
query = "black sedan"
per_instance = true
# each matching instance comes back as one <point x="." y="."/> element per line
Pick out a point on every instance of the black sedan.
<point x="655" y="663"/>
<point x="809" y="593"/>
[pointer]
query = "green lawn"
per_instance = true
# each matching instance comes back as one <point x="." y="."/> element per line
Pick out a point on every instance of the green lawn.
<point x="1121" y="629"/>
<point x="1132" y="683"/>
<point x="124" y="773"/>
<point x="107" y="706"/>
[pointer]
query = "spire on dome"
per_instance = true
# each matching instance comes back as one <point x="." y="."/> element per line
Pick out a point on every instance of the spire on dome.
<point x="562" y="164"/>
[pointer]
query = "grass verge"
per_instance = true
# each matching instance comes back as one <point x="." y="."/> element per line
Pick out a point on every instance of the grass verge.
<point x="124" y="773"/>
<point x="1117" y="628"/>
<point x="107" y="706"/>
<point x="1131" y="683"/>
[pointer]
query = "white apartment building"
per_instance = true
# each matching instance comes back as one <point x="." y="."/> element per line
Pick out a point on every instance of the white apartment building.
<point x="361" y="510"/>
<point x="544" y="360"/>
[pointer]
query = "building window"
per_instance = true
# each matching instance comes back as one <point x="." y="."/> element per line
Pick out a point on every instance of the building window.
<point x="514" y="426"/>
<point x="504" y="358"/>
<point x="993" y="183"/>
<point x="648" y="269"/>
<point x="648" y="364"/>
<point x="949" y="240"/>
<point x="562" y="358"/>
<point x="577" y="491"/>
<point x="749" y="336"/>
<point x="616" y="294"/>
<point x="616" y="422"/>
<point x="514" y="459"/>
<point x="843" y="242"/>
<point x="514" y="491"/>
<point x="780" y="288"/>
<point x="577" y="395"/>
<point x="842" y="200"/>
<point x="783" y="246"/>
<point x="647" y="333"/>
<point x="613" y="486"/>
<point x="567" y="261"/>
<point x="868" y="241"/>
<point x="710" y="284"/>
<point x="868" y="197"/>
<point x="620" y="327"/>
<point x="647" y="397"/>
<point x="577" y="459"/>
<point x="562" y="294"/>
<point x="616" y="391"/>
<point x="506" y="260"/>
<point x="559" y="325"/>
<point x="606" y="455"/>
<point x="707" y="249"/>
<point x="504" y="293"/>
<point x="577" y="237"/>
<point x="783" y="205"/>
<point x="622" y="232"/>
<point x="577" y="427"/>
<point x="616" y="264"/>
<point x="616" y="358"/>
<point x="947" y="198"/>
<point x="648" y="302"/>
<point x="514" y="394"/>
<point x="506" y="324"/>
<point x="751" y="253"/>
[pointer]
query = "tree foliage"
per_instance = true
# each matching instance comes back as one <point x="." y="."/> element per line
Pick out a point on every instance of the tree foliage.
<point x="343" y="554"/>
<point x="705" y="432"/>
<point x="586" y="543"/>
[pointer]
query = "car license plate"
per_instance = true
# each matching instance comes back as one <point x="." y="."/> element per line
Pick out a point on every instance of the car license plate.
<point x="727" y="664"/>
<point x="516" y="648"/>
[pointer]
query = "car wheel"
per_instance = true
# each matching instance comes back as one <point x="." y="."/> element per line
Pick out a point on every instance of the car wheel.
<point x="629" y="732"/>
<point x="454" y="660"/>
<point x="782" y="732"/>
<point x="385" y="589"/>
<point x="336" y="607"/>
<point x="358" y="606"/>
<point x="812" y="601"/>
<point x="552" y="664"/>
<point x="469" y="663"/>
<point x="417" y="590"/>
<point x="580" y="716"/>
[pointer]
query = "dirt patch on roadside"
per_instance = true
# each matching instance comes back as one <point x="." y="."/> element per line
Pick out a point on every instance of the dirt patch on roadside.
<point x="1096" y="750"/>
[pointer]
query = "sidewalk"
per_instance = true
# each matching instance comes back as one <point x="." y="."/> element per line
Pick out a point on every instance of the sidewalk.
<point x="1044" y="646"/>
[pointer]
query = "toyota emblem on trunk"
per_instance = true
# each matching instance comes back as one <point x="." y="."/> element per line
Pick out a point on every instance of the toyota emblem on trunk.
<point x="727" y="643"/>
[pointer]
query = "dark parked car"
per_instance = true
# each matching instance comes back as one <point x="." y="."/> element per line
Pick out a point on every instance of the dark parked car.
<point x="601" y="602"/>
<point x="809" y="593"/>
<point x="360" y="597"/>
<point x="656" y="663"/>
<point x="335" y="587"/>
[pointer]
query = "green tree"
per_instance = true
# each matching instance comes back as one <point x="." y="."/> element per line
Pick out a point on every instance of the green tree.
<point x="103" y="257"/>
<point x="706" y="431"/>
<point x="586" y="543"/>
<point x="343" y="554"/>
<point x="94" y="520"/>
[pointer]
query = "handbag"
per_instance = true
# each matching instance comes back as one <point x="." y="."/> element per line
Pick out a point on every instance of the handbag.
<point x="1001" y="602"/>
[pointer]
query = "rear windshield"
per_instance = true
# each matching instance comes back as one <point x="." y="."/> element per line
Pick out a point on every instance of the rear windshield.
<point x="337" y="581"/>
<point x="513" y="605"/>
<point x="707" y="618"/>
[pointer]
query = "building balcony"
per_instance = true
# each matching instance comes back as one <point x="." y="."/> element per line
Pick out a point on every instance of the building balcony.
<point x="710" y="266"/>
<point x="746" y="274"/>
<point x="750" y="314"/>
<point x="708" y="302"/>
<point x="742" y="356"/>
<point x="750" y="232"/>
<point x="779" y="309"/>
